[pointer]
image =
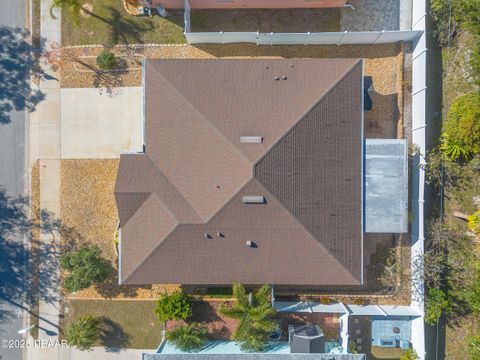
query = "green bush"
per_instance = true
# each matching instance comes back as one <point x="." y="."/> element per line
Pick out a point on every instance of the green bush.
<point x="473" y="341"/>
<point x="474" y="222"/>
<point x="461" y="135"/>
<point x="85" y="267"/>
<point x="409" y="354"/>
<point x="188" y="337"/>
<point x="106" y="60"/>
<point x="437" y="304"/>
<point x="84" y="332"/>
<point x="176" y="306"/>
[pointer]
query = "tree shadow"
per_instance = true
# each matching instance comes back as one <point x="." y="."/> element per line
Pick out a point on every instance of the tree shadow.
<point x="28" y="268"/>
<point x="122" y="29"/>
<point x="113" y="337"/>
<point x="17" y="64"/>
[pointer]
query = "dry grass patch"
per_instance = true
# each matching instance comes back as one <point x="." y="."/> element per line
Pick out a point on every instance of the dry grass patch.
<point x="89" y="215"/>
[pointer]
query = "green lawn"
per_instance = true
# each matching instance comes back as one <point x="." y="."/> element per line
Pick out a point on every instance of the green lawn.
<point x="131" y="324"/>
<point x="109" y="24"/>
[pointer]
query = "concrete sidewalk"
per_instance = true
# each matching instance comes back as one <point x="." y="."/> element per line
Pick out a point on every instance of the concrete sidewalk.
<point x="45" y="145"/>
<point x="97" y="353"/>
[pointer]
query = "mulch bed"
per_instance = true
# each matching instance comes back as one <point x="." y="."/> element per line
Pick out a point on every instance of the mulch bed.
<point x="207" y="314"/>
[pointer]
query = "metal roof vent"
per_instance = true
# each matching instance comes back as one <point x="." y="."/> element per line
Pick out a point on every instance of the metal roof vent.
<point x="251" y="139"/>
<point x="207" y="236"/>
<point x="249" y="199"/>
<point x="249" y="243"/>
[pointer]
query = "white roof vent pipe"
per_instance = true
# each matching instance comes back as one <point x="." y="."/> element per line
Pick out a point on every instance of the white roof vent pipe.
<point x="249" y="199"/>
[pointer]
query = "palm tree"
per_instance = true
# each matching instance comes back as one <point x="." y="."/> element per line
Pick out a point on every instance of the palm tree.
<point x="188" y="337"/>
<point x="84" y="332"/>
<point x="72" y="6"/>
<point x="254" y="311"/>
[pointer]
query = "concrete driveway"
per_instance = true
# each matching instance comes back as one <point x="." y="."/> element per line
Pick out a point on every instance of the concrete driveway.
<point x="96" y="124"/>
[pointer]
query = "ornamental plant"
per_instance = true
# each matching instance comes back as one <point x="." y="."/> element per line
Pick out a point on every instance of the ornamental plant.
<point x="474" y="222"/>
<point x="461" y="137"/>
<point x="188" y="338"/>
<point x="254" y="312"/>
<point x="106" y="60"/>
<point x="84" y="332"/>
<point x="174" y="306"/>
<point x="85" y="267"/>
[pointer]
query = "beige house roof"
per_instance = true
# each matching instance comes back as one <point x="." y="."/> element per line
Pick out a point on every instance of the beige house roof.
<point x="181" y="203"/>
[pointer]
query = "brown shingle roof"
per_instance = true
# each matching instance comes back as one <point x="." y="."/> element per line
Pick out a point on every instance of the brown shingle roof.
<point x="308" y="168"/>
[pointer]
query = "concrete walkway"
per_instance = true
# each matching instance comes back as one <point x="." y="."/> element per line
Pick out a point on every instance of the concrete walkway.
<point x="97" y="353"/>
<point x="96" y="124"/>
<point x="45" y="145"/>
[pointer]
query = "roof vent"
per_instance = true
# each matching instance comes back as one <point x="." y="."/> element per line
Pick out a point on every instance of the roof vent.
<point x="207" y="236"/>
<point x="284" y="77"/>
<point x="253" y="199"/>
<point x="251" y="139"/>
<point x="276" y="78"/>
<point x="249" y="243"/>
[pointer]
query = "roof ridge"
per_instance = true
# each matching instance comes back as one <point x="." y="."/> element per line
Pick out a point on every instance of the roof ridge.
<point x="154" y="165"/>
<point x="139" y="205"/>
<point x="195" y="109"/>
<point x="140" y="263"/>
<point x="290" y="129"/>
<point x="334" y="258"/>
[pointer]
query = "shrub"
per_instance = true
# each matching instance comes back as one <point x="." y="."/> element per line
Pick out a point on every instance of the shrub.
<point x="84" y="332"/>
<point x="176" y="306"/>
<point x="106" y="60"/>
<point x="188" y="337"/>
<point x="473" y="341"/>
<point x="462" y="127"/>
<point x="474" y="222"/>
<point x="85" y="267"/>
<point x="409" y="354"/>
<point x="473" y="293"/>
<point x="437" y="304"/>
<point x="254" y="312"/>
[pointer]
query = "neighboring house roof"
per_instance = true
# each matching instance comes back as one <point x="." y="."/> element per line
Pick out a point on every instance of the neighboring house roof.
<point x="194" y="173"/>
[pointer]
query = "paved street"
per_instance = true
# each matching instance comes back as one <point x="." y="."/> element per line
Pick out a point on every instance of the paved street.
<point x="12" y="182"/>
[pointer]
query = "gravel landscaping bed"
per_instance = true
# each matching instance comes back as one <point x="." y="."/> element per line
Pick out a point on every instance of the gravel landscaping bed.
<point x="89" y="215"/>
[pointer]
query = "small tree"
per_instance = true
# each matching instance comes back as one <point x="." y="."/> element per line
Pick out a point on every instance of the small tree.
<point x="188" y="337"/>
<point x="85" y="267"/>
<point x="71" y="6"/>
<point x="254" y="311"/>
<point x="84" y="332"/>
<point x="106" y="60"/>
<point x="437" y="304"/>
<point x="461" y="136"/>
<point x="176" y="306"/>
<point x="409" y="354"/>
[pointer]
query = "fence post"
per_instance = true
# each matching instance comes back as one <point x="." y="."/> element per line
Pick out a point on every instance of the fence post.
<point x="342" y="37"/>
<point x="221" y="37"/>
<point x="379" y="37"/>
<point x="307" y="35"/>
<point x="271" y="38"/>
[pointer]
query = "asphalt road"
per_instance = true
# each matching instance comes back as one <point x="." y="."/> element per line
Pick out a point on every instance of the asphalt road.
<point x="12" y="180"/>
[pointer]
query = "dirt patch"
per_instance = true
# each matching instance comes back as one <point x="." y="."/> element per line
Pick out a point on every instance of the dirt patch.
<point x="89" y="216"/>
<point x="86" y="10"/>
